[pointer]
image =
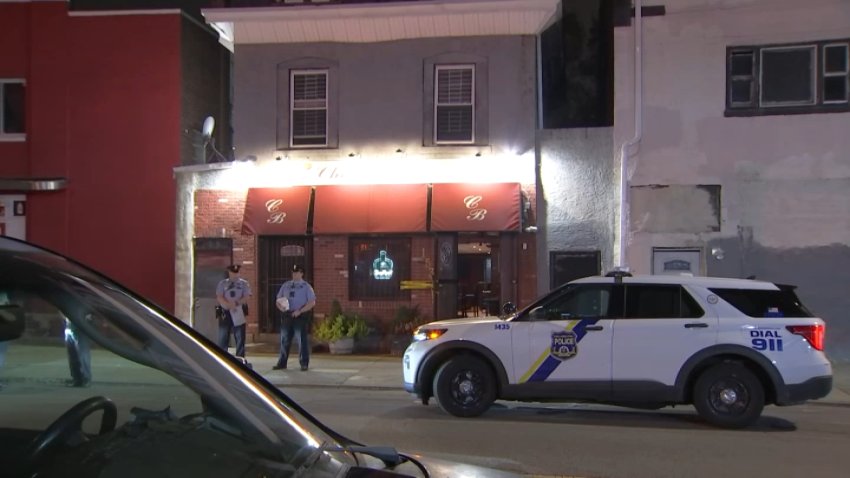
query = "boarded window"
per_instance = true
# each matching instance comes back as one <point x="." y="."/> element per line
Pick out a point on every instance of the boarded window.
<point x="675" y="208"/>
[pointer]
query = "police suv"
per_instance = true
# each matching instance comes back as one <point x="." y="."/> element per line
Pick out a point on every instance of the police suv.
<point x="727" y="346"/>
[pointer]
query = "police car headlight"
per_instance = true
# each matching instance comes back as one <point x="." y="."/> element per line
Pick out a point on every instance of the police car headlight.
<point x="421" y="334"/>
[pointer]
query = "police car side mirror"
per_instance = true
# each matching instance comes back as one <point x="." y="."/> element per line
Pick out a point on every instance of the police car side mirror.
<point x="508" y="308"/>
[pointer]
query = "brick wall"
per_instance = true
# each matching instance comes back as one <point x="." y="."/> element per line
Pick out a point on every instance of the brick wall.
<point x="217" y="211"/>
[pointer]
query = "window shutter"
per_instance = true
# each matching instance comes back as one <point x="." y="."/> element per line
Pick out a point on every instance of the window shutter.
<point x="455" y="104"/>
<point x="309" y="105"/>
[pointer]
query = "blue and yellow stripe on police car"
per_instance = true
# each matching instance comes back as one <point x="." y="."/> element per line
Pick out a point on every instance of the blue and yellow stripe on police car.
<point x="546" y="363"/>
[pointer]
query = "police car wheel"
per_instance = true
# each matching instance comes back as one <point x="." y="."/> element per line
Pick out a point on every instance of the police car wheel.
<point x="464" y="386"/>
<point x="729" y="395"/>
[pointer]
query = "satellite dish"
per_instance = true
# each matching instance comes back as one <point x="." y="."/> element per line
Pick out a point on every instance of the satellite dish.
<point x="209" y="124"/>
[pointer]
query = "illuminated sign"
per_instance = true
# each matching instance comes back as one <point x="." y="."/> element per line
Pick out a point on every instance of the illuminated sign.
<point x="382" y="267"/>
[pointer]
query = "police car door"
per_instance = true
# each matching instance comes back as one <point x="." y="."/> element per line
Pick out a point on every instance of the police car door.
<point x="569" y="340"/>
<point x="662" y="327"/>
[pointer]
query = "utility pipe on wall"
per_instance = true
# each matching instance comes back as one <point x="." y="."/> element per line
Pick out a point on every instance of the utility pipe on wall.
<point x="635" y="141"/>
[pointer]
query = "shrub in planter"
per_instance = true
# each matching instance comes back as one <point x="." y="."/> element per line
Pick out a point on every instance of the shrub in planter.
<point x="343" y="328"/>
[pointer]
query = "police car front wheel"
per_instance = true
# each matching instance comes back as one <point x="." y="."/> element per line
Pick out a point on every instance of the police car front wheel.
<point x="464" y="386"/>
<point x="729" y="395"/>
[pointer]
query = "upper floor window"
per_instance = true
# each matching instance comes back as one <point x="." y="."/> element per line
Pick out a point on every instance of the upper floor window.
<point x="308" y="107"/>
<point x="786" y="79"/>
<point x="454" y="104"/>
<point x="12" y="111"/>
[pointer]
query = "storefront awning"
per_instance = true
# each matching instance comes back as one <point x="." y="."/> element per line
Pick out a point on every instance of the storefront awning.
<point x="377" y="208"/>
<point x="277" y="211"/>
<point x="466" y="207"/>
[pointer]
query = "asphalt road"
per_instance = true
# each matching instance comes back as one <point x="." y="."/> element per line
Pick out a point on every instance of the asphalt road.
<point x="810" y="440"/>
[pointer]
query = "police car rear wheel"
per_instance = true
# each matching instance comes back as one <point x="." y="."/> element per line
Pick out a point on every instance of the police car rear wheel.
<point x="464" y="386"/>
<point x="729" y="395"/>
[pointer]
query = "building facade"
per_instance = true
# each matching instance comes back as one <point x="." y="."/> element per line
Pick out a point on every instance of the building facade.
<point x="742" y="165"/>
<point x="387" y="147"/>
<point x="98" y="107"/>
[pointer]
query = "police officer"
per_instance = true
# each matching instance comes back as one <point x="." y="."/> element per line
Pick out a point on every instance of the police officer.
<point x="296" y="319"/>
<point x="231" y="294"/>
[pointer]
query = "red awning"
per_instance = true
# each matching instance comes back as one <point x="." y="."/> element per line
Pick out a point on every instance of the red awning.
<point x="277" y="211"/>
<point x="376" y="208"/>
<point x="466" y="207"/>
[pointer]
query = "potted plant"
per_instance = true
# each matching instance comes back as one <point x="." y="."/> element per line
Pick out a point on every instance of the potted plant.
<point x="340" y="331"/>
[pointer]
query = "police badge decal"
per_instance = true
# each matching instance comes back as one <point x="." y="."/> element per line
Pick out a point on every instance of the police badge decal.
<point x="564" y="345"/>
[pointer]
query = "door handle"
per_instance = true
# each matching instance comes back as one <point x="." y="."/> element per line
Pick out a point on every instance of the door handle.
<point x="696" y="325"/>
<point x="593" y="327"/>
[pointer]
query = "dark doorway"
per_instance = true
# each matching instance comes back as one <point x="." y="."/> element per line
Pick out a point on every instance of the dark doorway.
<point x="479" y="276"/>
<point x="212" y="256"/>
<point x="565" y="266"/>
<point x="276" y="256"/>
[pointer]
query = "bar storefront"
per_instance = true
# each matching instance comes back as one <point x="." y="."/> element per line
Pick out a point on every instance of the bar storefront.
<point x="445" y="249"/>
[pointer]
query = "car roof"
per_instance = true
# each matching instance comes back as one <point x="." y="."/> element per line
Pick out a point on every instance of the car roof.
<point x="702" y="281"/>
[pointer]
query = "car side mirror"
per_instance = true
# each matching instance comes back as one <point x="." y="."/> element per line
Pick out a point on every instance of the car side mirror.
<point x="12" y="322"/>
<point x="508" y="308"/>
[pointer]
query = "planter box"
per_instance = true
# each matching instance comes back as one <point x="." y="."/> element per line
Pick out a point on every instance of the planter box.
<point x="342" y="346"/>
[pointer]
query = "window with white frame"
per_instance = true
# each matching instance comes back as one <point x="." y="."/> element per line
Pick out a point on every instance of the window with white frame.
<point x="783" y="79"/>
<point x="12" y="109"/>
<point x="454" y="104"/>
<point x="308" y="108"/>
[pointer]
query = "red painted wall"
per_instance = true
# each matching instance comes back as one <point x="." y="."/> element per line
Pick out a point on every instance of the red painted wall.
<point x="104" y="99"/>
<point x="14" y="30"/>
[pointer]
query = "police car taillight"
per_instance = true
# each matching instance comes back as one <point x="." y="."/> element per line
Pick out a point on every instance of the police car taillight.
<point x="812" y="333"/>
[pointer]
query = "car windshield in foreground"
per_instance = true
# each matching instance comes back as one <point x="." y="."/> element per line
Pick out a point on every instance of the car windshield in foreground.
<point x="101" y="382"/>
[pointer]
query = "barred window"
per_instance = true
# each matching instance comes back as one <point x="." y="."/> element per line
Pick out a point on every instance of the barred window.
<point x="377" y="267"/>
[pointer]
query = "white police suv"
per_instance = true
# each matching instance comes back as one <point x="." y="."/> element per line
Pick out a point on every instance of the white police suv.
<point x="727" y="346"/>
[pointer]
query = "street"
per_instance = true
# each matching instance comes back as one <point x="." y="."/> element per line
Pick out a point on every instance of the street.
<point x="361" y="397"/>
<point x="594" y="441"/>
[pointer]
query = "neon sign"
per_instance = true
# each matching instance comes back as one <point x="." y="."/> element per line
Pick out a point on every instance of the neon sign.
<point x="382" y="267"/>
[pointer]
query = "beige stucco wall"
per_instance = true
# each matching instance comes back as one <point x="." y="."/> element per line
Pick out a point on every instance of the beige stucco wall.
<point x="785" y="180"/>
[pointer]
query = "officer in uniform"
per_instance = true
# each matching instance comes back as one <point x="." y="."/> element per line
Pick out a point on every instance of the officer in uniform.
<point x="231" y="294"/>
<point x="296" y="319"/>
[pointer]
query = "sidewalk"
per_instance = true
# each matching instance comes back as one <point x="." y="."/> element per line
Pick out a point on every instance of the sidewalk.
<point x="384" y="372"/>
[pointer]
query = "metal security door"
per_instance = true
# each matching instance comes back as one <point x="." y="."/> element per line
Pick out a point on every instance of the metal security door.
<point x="212" y="256"/>
<point x="277" y="255"/>
<point x="446" y="275"/>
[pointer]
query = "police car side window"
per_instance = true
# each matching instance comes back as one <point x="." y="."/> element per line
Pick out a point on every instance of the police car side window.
<point x="580" y="302"/>
<point x="660" y="301"/>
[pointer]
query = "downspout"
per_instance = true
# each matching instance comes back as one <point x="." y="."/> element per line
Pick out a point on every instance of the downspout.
<point x="635" y="141"/>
